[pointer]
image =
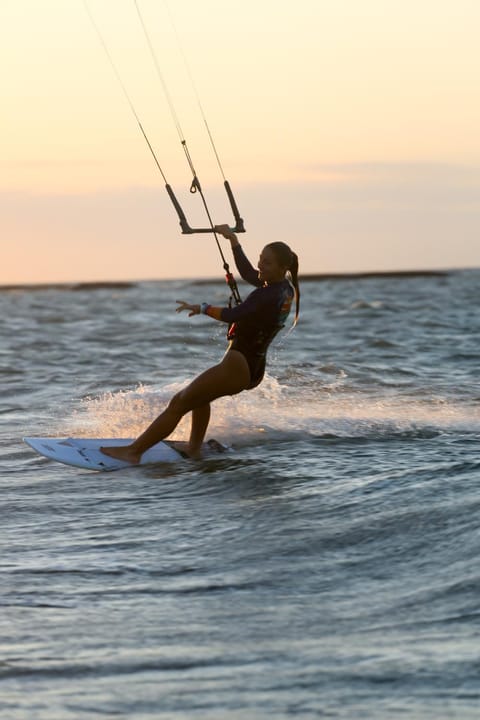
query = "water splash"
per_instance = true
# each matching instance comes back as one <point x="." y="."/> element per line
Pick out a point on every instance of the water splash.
<point x="276" y="410"/>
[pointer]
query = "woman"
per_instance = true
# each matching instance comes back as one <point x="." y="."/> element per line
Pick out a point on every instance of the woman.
<point x="252" y="326"/>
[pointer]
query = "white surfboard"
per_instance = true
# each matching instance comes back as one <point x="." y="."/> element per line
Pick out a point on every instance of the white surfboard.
<point x="85" y="452"/>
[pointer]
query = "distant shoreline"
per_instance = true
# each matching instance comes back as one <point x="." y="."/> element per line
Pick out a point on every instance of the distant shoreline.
<point x="374" y="274"/>
<point x="308" y="277"/>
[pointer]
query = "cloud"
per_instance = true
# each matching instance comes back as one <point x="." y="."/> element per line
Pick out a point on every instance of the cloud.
<point x="379" y="216"/>
<point x="402" y="182"/>
<point x="367" y="217"/>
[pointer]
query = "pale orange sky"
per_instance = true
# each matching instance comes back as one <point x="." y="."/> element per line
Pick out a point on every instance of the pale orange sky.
<point x="348" y="129"/>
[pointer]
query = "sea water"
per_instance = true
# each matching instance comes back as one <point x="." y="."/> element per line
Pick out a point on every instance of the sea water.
<point x="328" y="568"/>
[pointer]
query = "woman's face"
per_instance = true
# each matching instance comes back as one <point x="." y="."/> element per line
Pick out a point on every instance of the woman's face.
<point x="269" y="269"/>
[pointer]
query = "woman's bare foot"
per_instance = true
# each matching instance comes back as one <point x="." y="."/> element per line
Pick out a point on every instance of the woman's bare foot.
<point x="122" y="452"/>
<point x="185" y="449"/>
<point x="194" y="453"/>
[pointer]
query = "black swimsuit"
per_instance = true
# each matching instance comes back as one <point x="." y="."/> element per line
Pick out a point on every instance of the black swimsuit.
<point x="255" y="322"/>
<point x="256" y="362"/>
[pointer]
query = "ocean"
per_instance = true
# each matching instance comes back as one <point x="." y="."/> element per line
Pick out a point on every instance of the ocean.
<point x="328" y="568"/>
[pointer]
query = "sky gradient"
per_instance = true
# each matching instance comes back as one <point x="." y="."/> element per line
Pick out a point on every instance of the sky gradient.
<point x="348" y="129"/>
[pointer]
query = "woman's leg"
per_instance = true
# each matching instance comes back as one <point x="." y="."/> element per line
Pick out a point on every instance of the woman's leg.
<point x="229" y="377"/>
<point x="200" y="420"/>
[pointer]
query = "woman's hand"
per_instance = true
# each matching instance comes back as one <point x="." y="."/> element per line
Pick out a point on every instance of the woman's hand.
<point x="227" y="233"/>
<point x="194" y="309"/>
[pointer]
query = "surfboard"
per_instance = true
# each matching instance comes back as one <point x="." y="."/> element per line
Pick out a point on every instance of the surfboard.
<point x="85" y="452"/>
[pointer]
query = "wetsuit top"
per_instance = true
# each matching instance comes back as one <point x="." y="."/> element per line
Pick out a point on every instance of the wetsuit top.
<point x="255" y="322"/>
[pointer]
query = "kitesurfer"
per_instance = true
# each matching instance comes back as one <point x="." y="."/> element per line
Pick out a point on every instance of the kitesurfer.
<point x="252" y="326"/>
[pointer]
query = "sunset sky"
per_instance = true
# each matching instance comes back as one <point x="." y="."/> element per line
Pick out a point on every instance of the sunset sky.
<point x="347" y="128"/>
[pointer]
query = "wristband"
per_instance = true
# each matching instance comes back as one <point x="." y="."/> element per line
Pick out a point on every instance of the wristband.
<point x="204" y="308"/>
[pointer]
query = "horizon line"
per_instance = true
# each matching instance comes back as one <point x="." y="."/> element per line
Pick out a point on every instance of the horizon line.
<point x="307" y="277"/>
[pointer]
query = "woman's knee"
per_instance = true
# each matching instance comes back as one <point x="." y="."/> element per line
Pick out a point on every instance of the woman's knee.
<point x="184" y="401"/>
<point x="177" y="404"/>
